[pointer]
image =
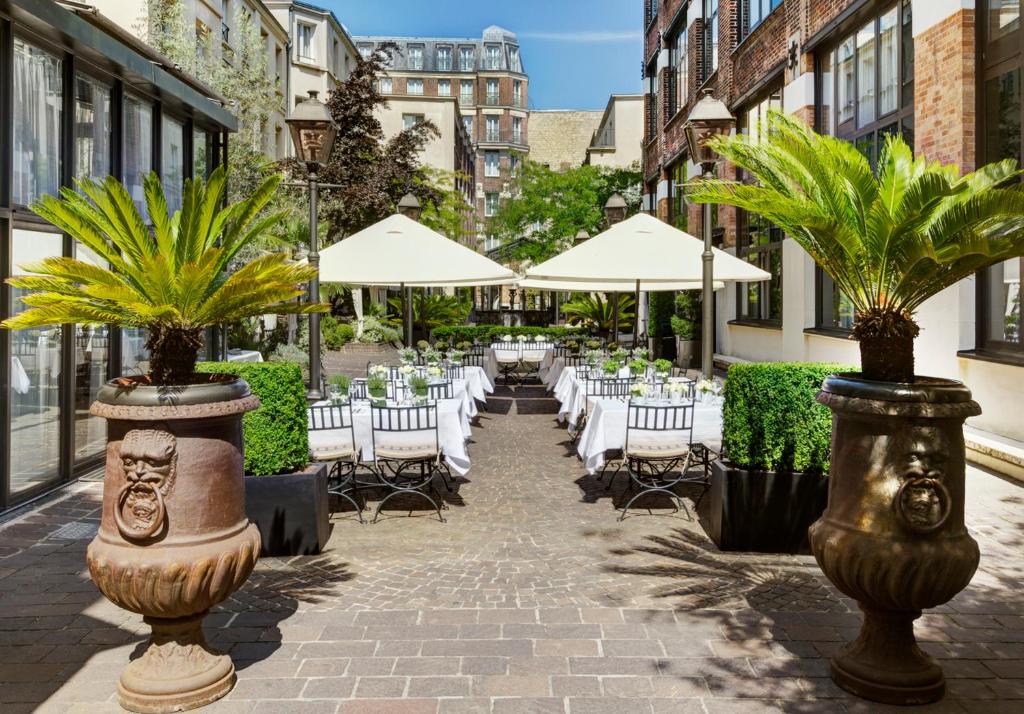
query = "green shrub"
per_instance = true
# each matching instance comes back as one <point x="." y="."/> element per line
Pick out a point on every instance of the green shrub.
<point x="276" y="440"/>
<point x="335" y="333"/>
<point x="770" y="420"/>
<point x="485" y="334"/>
<point x="375" y="333"/>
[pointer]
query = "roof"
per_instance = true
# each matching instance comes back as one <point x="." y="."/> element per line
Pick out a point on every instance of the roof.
<point x="491" y="36"/>
<point x="342" y="30"/>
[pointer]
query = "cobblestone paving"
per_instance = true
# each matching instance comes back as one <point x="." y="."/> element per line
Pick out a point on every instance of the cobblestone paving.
<point x="532" y="598"/>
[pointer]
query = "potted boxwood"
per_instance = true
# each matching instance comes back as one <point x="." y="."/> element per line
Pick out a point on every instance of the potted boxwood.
<point x="684" y="327"/>
<point x="174" y="437"/>
<point x="893" y="535"/>
<point x="418" y="385"/>
<point x="285" y="492"/>
<point x="771" y="483"/>
<point x="377" y="388"/>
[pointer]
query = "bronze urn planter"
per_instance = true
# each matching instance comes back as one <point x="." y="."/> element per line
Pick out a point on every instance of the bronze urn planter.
<point x="174" y="539"/>
<point x="893" y="535"/>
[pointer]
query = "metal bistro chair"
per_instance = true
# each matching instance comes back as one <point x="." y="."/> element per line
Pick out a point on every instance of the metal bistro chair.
<point x="507" y="355"/>
<point x="455" y="371"/>
<point x="474" y="357"/>
<point x="658" y="442"/>
<point x="406" y="452"/>
<point x="529" y="360"/>
<point x="332" y="438"/>
<point x="440" y="390"/>
<point x="603" y="388"/>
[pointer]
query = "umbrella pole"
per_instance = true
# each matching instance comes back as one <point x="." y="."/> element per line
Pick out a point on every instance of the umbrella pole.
<point x="708" y="296"/>
<point x="407" y="313"/>
<point x="615" y="318"/>
<point x="636" y="314"/>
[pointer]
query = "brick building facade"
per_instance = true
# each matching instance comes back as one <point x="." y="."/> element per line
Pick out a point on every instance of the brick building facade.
<point x="487" y="76"/>
<point x="943" y="73"/>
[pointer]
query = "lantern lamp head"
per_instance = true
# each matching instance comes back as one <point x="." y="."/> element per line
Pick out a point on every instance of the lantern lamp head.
<point x="709" y="118"/>
<point x="313" y="130"/>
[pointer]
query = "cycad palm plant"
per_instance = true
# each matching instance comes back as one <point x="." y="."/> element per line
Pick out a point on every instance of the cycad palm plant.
<point x="594" y="311"/>
<point x="890" y="239"/>
<point x="171" y="277"/>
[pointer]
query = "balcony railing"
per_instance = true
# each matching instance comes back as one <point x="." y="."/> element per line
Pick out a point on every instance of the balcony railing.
<point x="493" y="136"/>
<point x="492" y="99"/>
<point x="465" y="99"/>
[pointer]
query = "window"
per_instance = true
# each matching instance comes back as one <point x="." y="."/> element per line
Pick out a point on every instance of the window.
<point x="468" y="123"/>
<point x="491" y="242"/>
<point x="493" y="57"/>
<point x="38" y="100"/>
<point x="492" y="128"/>
<point x="92" y="354"/>
<point x="490" y="203"/>
<point x="650" y="11"/>
<point x="138" y="147"/>
<point x="414" y="86"/>
<point x="36" y="357"/>
<point x="92" y="128"/>
<point x="652" y="104"/>
<point x="757" y="11"/>
<point x="466" y="59"/>
<point x="492" y="91"/>
<point x="444" y="88"/>
<point x="444" y="59"/>
<point x="866" y="90"/>
<point x="517" y="94"/>
<point x="466" y="91"/>
<point x="492" y="163"/>
<point x="411" y="120"/>
<point x="758" y="241"/>
<point x="678" y="78"/>
<point x="202" y="151"/>
<point x="515" y="64"/>
<point x="416" y="58"/>
<point x="710" y="37"/>
<point x="517" y="130"/>
<point x="1002" y="124"/>
<point x="385" y="85"/>
<point x="365" y="51"/>
<point x="678" y="214"/>
<point x="172" y="161"/>
<point x="305" y="33"/>
<point x="513" y="164"/>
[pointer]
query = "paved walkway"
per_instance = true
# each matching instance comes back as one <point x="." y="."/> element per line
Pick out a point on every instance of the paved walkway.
<point x="532" y="598"/>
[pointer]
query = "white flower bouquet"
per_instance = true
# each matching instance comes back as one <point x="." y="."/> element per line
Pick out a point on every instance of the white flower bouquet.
<point x="377" y="370"/>
<point x="407" y="355"/>
<point x="506" y="338"/>
<point x="434" y="371"/>
<point x="520" y="338"/>
<point x="407" y="370"/>
<point x="639" y="389"/>
<point x="540" y="339"/>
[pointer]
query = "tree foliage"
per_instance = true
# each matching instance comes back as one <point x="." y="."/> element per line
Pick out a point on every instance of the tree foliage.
<point x="446" y="210"/>
<point x="889" y="238"/>
<point x="596" y="313"/>
<point x="547" y="208"/>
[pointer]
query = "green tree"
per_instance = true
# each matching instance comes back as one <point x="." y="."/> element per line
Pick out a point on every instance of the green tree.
<point x="548" y="208"/>
<point x="446" y="210"/>
<point x="890" y="239"/>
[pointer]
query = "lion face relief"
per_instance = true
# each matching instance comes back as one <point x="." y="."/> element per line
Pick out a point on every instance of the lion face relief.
<point x="148" y="460"/>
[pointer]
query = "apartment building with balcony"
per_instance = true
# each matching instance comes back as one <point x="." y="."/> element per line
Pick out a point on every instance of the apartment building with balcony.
<point x="488" y="78"/>
<point x="946" y="74"/>
<point x="618" y="141"/>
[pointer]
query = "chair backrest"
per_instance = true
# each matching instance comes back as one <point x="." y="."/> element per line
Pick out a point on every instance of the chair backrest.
<point x="455" y="371"/>
<point x="667" y="423"/>
<point x="575" y="360"/>
<point x="473" y="358"/>
<point x="329" y="417"/>
<point x="331" y="430"/>
<point x="357" y="389"/>
<point x="614" y="387"/>
<point x="440" y="390"/>
<point x="389" y="423"/>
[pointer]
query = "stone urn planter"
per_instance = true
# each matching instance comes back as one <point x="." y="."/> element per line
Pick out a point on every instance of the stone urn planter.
<point x="893" y="536"/>
<point x="174" y="539"/>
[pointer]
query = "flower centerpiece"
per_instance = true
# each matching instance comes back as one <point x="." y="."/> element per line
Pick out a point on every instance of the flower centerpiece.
<point x="676" y="390"/>
<point x="638" y="367"/>
<point x="407" y="355"/>
<point x="338" y="387"/>
<point x="520" y="339"/>
<point x="641" y="353"/>
<point x="377" y="388"/>
<point x="611" y="367"/>
<point x="418" y="385"/>
<point x="594" y="357"/>
<point x="506" y="338"/>
<point x="434" y="371"/>
<point x="639" y="389"/>
<point x="662" y="368"/>
<point x="540" y="338"/>
<point x="593" y="344"/>
<point x="407" y="370"/>
<point x="432" y="357"/>
<point x="620" y="354"/>
<point x="456" y="356"/>
<point x="377" y="370"/>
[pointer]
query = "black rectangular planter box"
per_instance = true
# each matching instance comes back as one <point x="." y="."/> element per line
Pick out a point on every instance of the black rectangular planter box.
<point x="762" y="511"/>
<point x="291" y="510"/>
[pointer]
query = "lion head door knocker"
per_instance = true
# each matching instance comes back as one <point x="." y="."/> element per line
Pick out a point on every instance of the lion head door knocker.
<point x="148" y="458"/>
<point x="922" y="501"/>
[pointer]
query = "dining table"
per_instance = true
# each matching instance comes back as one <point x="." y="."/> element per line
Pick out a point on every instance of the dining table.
<point x="513" y="351"/>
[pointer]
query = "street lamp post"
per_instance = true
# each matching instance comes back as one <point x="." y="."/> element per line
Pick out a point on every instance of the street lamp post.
<point x="313" y="133"/>
<point x="709" y="118"/>
<point x="615" y="212"/>
<point x="408" y="206"/>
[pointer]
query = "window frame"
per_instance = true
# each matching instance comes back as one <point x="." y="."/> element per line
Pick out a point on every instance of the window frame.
<point x="766" y="8"/>
<point x="445" y="66"/>
<point x="300" y="27"/>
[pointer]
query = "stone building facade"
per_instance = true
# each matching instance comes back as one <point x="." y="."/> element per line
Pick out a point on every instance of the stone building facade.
<point x="618" y="140"/>
<point x="943" y="73"/>
<point x="488" y="77"/>
<point x="559" y="137"/>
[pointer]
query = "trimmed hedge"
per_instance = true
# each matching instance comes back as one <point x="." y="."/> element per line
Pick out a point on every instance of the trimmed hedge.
<point x="770" y="420"/>
<point x="276" y="440"/>
<point x="486" y="333"/>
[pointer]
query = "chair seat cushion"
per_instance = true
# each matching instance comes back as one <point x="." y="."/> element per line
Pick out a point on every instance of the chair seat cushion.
<point x="331" y="444"/>
<point x="657" y="445"/>
<point x="405" y="451"/>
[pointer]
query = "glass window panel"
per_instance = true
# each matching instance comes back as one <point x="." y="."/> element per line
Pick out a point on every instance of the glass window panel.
<point x="1003" y="309"/>
<point x="36" y="363"/>
<point x="1002" y="117"/>
<point x="92" y="129"/>
<point x="385" y="85"/>
<point x="845" y="91"/>
<point x="888" y="63"/>
<point x="172" y="161"/>
<point x="92" y="350"/>
<point x="38" y="102"/>
<point x="415" y="86"/>
<point x="907" y="53"/>
<point x="491" y="163"/>
<point x="138" y="148"/>
<point x="866" y="74"/>
<point x="444" y="58"/>
<point x="444" y="87"/>
<point x="201" y="143"/>
<point x="827" y="95"/>
<point x="1003" y="18"/>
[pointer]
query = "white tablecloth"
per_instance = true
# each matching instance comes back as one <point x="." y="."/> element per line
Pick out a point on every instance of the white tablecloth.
<point x="19" y="377"/>
<point x="496" y="353"/>
<point x="477" y="383"/>
<point x="569" y="392"/>
<point x="606" y="430"/>
<point x="244" y="356"/>
<point x="452" y="432"/>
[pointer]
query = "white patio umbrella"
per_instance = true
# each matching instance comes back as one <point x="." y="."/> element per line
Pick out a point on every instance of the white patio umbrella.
<point x="399" y="251"/>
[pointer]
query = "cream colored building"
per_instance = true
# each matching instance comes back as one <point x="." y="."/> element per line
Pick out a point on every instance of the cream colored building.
<point x="618" y="140"/>
<point x="559" y="137"/>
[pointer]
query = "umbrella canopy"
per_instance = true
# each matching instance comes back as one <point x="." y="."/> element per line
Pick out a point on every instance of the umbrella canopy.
<point x="645" y="249"/>
<point x="591" y="286"/>
<point x="399" y="250"/>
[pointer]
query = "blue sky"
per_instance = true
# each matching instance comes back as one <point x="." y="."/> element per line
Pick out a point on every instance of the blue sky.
<point x="577" y="52"/>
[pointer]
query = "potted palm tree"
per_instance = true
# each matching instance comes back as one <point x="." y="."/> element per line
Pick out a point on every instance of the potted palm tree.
<point x="893" y="535"/>
<point x="174" y="437"/>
